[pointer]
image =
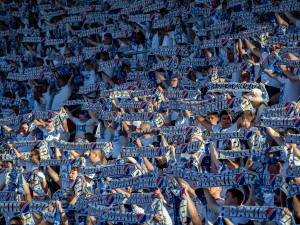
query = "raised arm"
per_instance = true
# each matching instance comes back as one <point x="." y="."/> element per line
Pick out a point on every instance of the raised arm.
<point x="289" y="73"/>
<point x="108" y="79"/>
<point x="70" y="81"/>
<point x="253" y="49"/>
<point x="204" y="122"/>
<point x="39" y="124"/>
<point x="162" y="79"/>
<point x="9" y="130"/>
<point x="211" y="202"/>
<point x="69" y="113"/>
<point x="31" y="50"/>
<point x="271" y="74"/>
<point x="54" y="175"/>
<point x="291" y="17"/>
<point x="280" y="20"/>
<point x="275" y="135"/>
<point x="242" y="50"/>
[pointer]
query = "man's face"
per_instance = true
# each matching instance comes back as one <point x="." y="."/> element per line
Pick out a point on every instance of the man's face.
<point x="229" y="200"/>
<point x="38" y="63"/>
<point x="49" y="124"/>
<point x="277" y="198"/>
<point x="14" y="222"/>
<point x="205" y="71"/>
<point x="60" y="83"/>
<point x="225" y="121"/>
<point x="213" y="119"/>
<point x="104" y="57"/>
<point x="214" y="190"/>
<point x="230" y="56"/>
<point x="107" y="40"/>
<point x="9" y="164"/>
<point x="43" y="52"/>
<point x="73" y="175"/>
<point x="88" y="67"/>
<point x="81" y="117"/>
<point x="93" y="156"/>
<point x="24" y="128"/>
<point x="245" y="77"/>
<point x="275" y="168"/>
<point x="215" y="4"/>
<point x="15" y="108"/>
<point x="70" y="197"/>
<point x="255" y="58"/>
<point x="34" y="158"/>
<point x="174" y="83"/>
<point x="68" y="53"/>
<point x="24" y="65"/>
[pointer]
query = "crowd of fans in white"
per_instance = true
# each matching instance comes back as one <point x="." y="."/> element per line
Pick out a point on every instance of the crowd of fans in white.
<point x="182" y="112"/>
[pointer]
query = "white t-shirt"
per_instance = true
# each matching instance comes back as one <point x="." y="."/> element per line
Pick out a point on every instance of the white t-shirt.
<point x="40" y="106"/>
<point x="265" y="79"/>
<point x="82" y="128"/>
<point x="260" y="112"/>
<point x="146" y="141"/>
<point x="117" y="145"/>
<point x="107" y="136"/>
<point x="49" y="136"/>
<point x="155" y="41"/>
<point x="62" y="94"/>
<point x="169" y="39"/>
<point x="289" y="90"/>
<point x="140" y="48"/>
<point x="208" y="213"/>
<point x="89" y="77"/>
<point x="48" y="99"/>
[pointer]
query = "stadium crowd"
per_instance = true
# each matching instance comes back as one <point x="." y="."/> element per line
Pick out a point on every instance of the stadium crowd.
<point x="175" y="112"/>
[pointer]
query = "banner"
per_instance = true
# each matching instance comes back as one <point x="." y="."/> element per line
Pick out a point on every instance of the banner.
<point x="276" y="214"/>
<point x="68" y="146"/>
<point x="292" y="139"/>
<point x="149" y="152"/>
<point x="113" y="171"/>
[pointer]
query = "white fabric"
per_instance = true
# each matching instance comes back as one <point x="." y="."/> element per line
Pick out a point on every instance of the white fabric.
<point x="62" y="94"/>
<point x="265" y="79"/>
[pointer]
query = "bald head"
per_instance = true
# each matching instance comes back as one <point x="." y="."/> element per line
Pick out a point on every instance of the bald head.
<point x="145" y="126"/>
<point x="94" y="156"/>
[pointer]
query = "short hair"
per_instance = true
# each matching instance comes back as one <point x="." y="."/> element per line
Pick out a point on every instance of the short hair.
<point x="64" y="78"/>
<point x="88" y="61"/>
<point x="17" y="220"/>
<point x="248" y="115"/>
<point x="24" y="123"/>
<point x="108" y="35"/>
<point x="214" y="114"/>
<point x="248" y="71"/>
<point x="236" y="193"/>
<point x="36" y="151"/>
<point x="39" y="59"/>
<point x="39" y="89"/>
<point x="224" y="113"/>
<point x="75" y="169"/>
<point x="89" y="136"/>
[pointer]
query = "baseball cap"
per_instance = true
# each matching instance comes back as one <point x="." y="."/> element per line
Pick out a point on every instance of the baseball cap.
<point x="274" y="159"/>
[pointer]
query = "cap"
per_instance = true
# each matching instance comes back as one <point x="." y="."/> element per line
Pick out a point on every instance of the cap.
<point x="255" y="95"/>
<point x="137" y="124"/>
<point x="274" y="159"/>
